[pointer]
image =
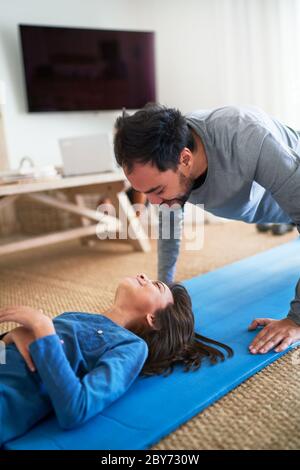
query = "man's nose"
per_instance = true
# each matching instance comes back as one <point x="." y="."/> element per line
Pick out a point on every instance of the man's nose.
<point x="154" y="199"/>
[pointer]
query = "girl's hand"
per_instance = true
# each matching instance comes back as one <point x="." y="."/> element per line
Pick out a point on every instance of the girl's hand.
<point x="278" y="334"/>
<point x="22" y="338"/>
<point x="25" y="316"/>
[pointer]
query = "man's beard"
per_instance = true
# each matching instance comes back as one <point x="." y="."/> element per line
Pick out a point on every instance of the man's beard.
<point x="186" y="183"/>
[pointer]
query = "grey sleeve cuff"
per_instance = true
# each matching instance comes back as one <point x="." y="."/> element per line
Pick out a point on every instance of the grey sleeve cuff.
<point x="170" y="233"/>
<point x="294" y="313"/>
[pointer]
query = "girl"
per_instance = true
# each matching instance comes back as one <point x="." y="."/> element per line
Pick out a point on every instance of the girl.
<point x="79" y="363"/>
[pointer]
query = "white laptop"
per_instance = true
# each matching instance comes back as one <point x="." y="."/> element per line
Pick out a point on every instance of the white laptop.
<point x="87" y="154"/>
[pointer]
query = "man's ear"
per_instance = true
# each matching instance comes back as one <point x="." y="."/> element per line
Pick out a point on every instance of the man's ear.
<point x="185" y="158"/>
<point x="150" y="318"/>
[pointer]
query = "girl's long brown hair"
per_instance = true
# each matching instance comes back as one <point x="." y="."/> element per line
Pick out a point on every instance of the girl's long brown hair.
<point x="174" y="341"/>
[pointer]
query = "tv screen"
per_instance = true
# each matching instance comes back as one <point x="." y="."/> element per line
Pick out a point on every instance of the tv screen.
<point x="72" y="69"/>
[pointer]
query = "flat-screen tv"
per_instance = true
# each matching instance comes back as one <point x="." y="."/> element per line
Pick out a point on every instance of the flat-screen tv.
<point x="75" y="69"/>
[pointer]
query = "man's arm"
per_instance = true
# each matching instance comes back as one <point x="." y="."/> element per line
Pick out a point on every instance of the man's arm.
<point x="294" y="313"/>
<point x="278" y="170"/>
<point x="168" y="245"/>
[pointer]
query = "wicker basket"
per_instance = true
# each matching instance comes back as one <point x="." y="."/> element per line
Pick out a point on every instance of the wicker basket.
<point x="8" y="221"/>
<point x="36" y="218"/>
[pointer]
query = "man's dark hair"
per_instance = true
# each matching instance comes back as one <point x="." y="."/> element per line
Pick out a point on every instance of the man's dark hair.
<point x="155" y="134"/>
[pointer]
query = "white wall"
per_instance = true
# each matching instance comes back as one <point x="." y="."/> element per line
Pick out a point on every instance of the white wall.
<point x="217" y="52"/>
<point x="36" y="134"/>
<point x="209" y="53"/>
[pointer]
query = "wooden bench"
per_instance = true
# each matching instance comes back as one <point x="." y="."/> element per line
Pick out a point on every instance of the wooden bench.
<point x="112" y="184"/>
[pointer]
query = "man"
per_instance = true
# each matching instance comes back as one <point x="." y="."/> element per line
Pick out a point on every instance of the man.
<point x="239" y="162"/>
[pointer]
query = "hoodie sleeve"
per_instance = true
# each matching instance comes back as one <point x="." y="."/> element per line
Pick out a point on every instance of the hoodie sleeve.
<point x="278" y="170"/>
<point x="76" y="400"/>
<point x="169" y="241"/>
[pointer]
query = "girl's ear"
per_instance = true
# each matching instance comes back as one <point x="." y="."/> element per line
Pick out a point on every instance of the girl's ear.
<point x="150" y="318"/>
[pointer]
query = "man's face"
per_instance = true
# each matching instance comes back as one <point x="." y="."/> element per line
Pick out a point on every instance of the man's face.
<point x="168" y="187"/>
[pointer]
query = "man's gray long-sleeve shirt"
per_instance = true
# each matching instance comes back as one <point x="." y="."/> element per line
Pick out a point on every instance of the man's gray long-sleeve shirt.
<point x="253" y="175"/>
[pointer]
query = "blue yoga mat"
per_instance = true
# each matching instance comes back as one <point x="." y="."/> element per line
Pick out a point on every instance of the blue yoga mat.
<point x="225" y="301"/>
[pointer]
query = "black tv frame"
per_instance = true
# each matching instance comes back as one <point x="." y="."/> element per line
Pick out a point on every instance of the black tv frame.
<point x="134" y="90"/>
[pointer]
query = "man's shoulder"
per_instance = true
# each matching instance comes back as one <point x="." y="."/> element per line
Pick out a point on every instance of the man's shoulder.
<point x="228" y="112"/>
<point x="245" y="125"/>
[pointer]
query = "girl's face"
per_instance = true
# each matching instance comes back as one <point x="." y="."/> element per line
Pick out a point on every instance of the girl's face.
<point x="143" y="295"/>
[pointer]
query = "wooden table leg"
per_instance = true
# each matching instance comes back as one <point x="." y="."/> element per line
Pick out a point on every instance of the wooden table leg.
<point x="135" y="234"/>
<point x="78" y="199"/>
<point x="125" y="212"/>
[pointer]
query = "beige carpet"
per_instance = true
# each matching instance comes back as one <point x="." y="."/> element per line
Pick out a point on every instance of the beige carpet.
<point x="262" y="413"/>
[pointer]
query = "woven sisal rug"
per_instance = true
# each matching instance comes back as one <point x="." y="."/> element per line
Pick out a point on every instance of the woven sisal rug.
<point x="262" y="413"/>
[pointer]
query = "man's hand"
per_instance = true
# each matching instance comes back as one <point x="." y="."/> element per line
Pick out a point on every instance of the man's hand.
<point x="278" y="334"/>
<point x="22" y="338"/>
<point x="31" y="318"/>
